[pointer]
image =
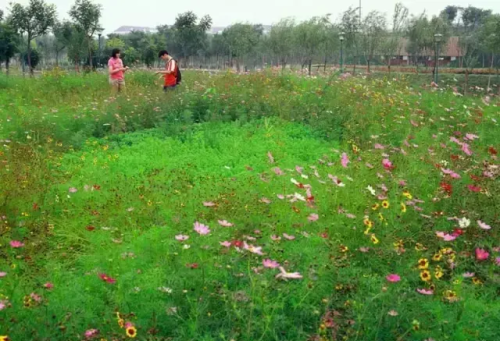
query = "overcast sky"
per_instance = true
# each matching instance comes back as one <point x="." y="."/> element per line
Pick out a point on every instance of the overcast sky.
<point x="152" y="13"/>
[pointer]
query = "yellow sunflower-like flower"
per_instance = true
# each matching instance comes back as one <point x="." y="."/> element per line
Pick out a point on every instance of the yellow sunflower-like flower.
<point x="375" y="206"/>
<point x="438" y="272"/>
<point x="423" y="264"/>
<point x="437" y="257"/>
<point x="121" y="323"/>
<point x="374" y="239"/>
<point x="477" y="281"/>
<point x="4" y="338"/>
<point x="450" y="295"/>
<point x="403" y="208"/>
<point x="386" y="204"/>
<point x="425" y="276"/>
<point x="131" y="332"/>
<point x="407" y="195"/>
<point x="368" y="222"/>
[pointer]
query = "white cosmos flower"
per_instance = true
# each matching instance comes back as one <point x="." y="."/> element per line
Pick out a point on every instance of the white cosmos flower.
<point x="464" y="223"/>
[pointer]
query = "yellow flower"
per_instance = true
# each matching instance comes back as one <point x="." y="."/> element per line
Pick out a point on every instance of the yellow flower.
<point x="381" y="217"/>
<point x="450" y="295"/>
<point x="131" y="332"/>
<point x="367" y="231"/>
<point x="446" y="250"/>
<point x="375" y="207"/>
<point x="437" y="257"/>
<point x="423" y="264"/>
<point x="425" y="276"/>
<point x="408" y="195"/>
<point x="438" y="272"/>
<point x="385" y="204"/>
<point x="403" y="208"/>
<point x="419" y="247"/>
<point x="477" y="281"/>
<point x="4" y="338"/>
<point x="121" y="322"/>
<point x="374" y="239"/>
<point x="344" y="248"/>
<point x="368" y="222"/>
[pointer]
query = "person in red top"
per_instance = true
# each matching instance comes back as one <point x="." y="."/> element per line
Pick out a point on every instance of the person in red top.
<point x="116" y="71"/>
<point x="170" y="71"/>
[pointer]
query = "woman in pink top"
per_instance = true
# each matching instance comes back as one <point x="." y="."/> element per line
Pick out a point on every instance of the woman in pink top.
<point x="116" y="71"/>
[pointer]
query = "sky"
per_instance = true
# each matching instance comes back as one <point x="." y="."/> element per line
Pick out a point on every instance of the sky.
<point x="152" y="13"/>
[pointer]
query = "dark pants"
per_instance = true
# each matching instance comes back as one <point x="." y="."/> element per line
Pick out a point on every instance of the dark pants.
<point x="169" y="88"/>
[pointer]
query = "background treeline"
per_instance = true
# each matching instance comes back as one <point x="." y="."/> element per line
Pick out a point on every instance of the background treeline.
<point x="32" y="36"/>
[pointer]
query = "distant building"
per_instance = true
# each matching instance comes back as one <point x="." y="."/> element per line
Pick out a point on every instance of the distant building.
<point x="448" y="52"/>
<point x="130" y="29"/>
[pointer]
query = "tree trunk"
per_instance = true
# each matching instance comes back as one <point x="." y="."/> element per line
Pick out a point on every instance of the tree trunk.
<point x="29" y="55"/>
<point x="310" y="66"/>
<point x="489" y="72"/>
<point x="7" y="66"/>
<point x="90" y="53"/>
<point x="466" y="85"/>
<point x="368" y="63"/>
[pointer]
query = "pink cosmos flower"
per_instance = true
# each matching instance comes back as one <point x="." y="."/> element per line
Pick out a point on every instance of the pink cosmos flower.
<point x="289" y="237"/>
<point x="466" y="149"/>
<point x="484" y="226"/>
<point x="451" y="173"/>
<point x="364" y="249"/>
<point x="299" y="169"/>
<point x="281" y="196"/>
<point x="455" y="140"/>
<point x="201" y="229"/>
<point x="468" y="275"/>
<point x="72" y="190"/>
<point x="425" y="292"/>
<point x="350" y="216"/>
<point x="208" y="204"/>
<point x="48" y="286"/>
<point x="265" y="201"/>
<point x="471" y="137"/>
<point x="278" y="171"/>
<point x="313" y="217"/>
<point x="497" y="261"/>
<point x="446" y="237"/>
<point x="271" y="157"/>
<point x="393" y="278"/>
<point x="275" y="238"/>
<point x="345" y="160"/>
<point x="288" y="275"/>
<point x="473" y="188"/>
<point x="225" y="223"/>
<point x="181" y="238"/>
<point x="379" y="146"/>
<point x="253" y="249"/>
<point x="225" y="244"/>
<point x="3" y="274"/>
<point x="387" y="164"/>
<point x="35" y="297"/>
<point x="3" y="304"/>
<point x="91" y="333"/>
<point x="482" y="254"/>
<point x="16" y="244"/>
<point x="270" y="264"/>
<point x="107" y="279"/>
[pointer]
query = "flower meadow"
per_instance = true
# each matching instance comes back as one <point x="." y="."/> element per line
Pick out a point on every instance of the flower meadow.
<point x="263" y="206"/>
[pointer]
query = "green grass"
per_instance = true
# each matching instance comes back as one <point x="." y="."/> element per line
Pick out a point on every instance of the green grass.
<point x="92" y="184"/>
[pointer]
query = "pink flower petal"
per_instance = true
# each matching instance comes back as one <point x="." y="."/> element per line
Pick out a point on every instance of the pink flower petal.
<point x="393" y="278"/>
<point x="484" y="226"/>
<point x="313" y="217"/>
<point x="344" y="160"/>
<point x="16" y="244"/>
<point x="425" y="292"/>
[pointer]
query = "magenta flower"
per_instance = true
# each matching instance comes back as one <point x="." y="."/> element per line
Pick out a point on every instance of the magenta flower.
<point x="48" y="286"/>
<point x="201" y="229"/>
<point x="466" y="149"/>
<point x="107" y="279"/>
<point x="497" y="261"/>
<point x="387" y="164"/>
<point x="16" y="244"/>
<point x="451" y="173"/>
<point x="270" y="264"/>
<point x="425" y="292"/>
<point x="446" y="237"/>
<point x="313" y="217"/>
<point x="181" y="238"/>
<point x="344" y="160"/>
<point x="482" y="254"/>
<point x="484" y="226"/>
<point x="393" y="278"/>
<point x="225" y="223"/>
<point x="91" y="333"/>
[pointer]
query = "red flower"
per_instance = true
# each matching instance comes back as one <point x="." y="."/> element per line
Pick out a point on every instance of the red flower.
<point x="475" y="177"/>
<point x="97" y="187"/>
<point x="107" y="279"/>
<point x="448" y="188"/>
<point x="237" y="243"/>
<point x="90" y="228"/>
<point x="492" y="151"/>
<point x="454" y="157"/>
<point x="458" y="232"/>
<point x="192" y="266"/>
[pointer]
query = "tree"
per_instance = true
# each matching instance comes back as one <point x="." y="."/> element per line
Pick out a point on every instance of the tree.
<point x="374" y="31"/>
<point x="34" y="57"/>
<point x="9" y="41"/>
<point x="450" y="13"/>
<point x="281" y="40"/>
<point x="190" y="34"/>
<point x="77" y="51"/>
<point x="63" y="32"/>
<point x="86" y="15"/>
<point x="310" y="37"/>
<point x="393" y="42"/>
<point x="490" y="36"/>
<point x="350" y="24"/>
<point x="34" y="20"/>
<point x="241" y="40"/>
